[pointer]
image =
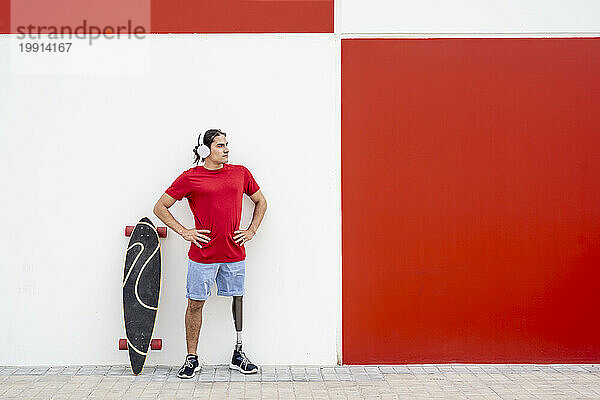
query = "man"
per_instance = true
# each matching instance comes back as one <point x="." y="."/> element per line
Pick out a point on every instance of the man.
<point x="214" y="191"/>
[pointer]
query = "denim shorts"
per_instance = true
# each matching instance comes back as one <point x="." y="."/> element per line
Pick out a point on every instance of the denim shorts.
<point x="229" y="276"/>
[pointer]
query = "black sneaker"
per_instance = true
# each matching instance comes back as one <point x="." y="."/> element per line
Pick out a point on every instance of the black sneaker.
<point x="189" y="368"/>
<point x="242" y="364"/>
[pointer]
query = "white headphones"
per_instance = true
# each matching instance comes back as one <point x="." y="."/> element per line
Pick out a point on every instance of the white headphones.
<point x="202" y="150"/>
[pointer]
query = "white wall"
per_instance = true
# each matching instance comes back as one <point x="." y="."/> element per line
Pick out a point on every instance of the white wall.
<point x="72" y="148"/>
<point x="468" y="16"/>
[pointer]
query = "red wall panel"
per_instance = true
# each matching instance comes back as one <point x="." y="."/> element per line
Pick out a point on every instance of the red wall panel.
<point x="471" y="200"/>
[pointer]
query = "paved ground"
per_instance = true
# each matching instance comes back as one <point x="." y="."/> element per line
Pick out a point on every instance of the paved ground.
<point x="432" y="381"/>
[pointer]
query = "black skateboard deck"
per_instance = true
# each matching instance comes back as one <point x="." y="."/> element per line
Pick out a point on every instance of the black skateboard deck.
<point x="141" y="290"/>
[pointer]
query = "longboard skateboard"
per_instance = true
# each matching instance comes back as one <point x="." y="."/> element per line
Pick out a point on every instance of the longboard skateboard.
<point x="141" y="291"/>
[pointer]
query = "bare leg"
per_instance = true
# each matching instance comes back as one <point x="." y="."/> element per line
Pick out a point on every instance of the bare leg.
<point x="193" y="323"/>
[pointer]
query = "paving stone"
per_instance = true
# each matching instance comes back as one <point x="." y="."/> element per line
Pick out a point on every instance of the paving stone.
<point x="5" y="371"/>
<point x="23" y="371"/>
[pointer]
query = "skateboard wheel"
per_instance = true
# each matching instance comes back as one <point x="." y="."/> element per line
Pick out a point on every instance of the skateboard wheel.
<point x="156" y="344"/>
<point x="122" y="344"/>
<point x="128" y="230"/>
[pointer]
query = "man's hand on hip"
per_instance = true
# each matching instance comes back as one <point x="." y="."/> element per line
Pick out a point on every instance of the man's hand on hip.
<point x="242" y="236"/>
<point x="196" y="235"/>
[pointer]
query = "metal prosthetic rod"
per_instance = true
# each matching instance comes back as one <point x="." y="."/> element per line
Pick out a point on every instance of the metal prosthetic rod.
<point x="236" y="308"/>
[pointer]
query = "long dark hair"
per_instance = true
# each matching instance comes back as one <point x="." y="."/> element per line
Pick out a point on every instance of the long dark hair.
<point x="209" y="137"/>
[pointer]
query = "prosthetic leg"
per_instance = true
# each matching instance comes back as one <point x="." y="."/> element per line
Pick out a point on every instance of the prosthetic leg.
<point x="239" y="360"/>
<point x="236" y="308"/>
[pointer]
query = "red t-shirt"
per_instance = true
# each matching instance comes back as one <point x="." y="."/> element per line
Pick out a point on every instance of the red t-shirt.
<point x="215" y="198"/>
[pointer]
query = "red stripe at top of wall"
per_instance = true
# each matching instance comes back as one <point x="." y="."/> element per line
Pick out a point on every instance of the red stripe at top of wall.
<point x="4" y="16"/>
<point x="229" y="16"/>
<point x="183" y="16"/>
